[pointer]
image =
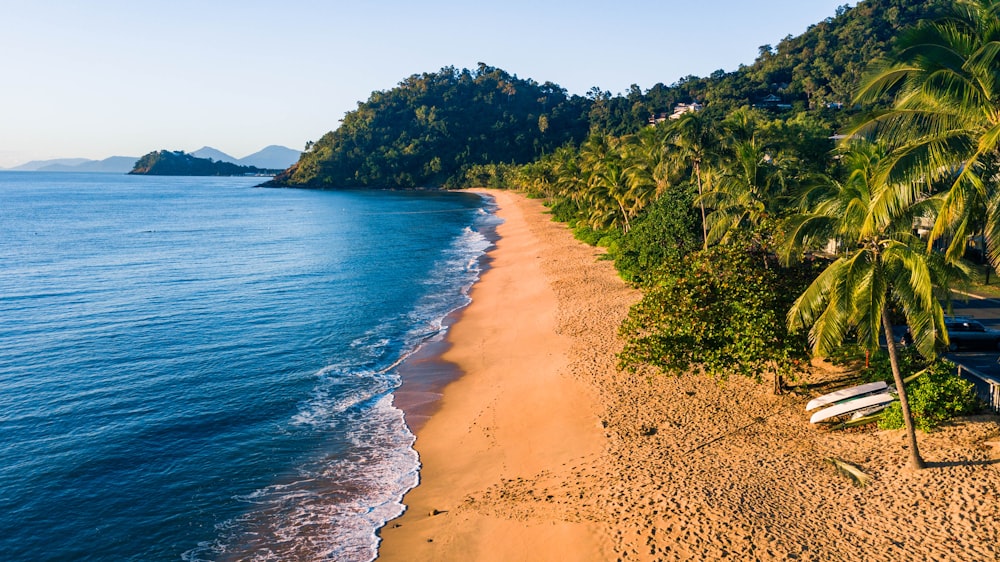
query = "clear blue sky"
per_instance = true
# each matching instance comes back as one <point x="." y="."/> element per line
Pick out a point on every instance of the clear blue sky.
<point x="111" y="77"/>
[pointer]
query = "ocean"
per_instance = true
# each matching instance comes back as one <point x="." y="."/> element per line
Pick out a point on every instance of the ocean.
<point x="198" y="369"/>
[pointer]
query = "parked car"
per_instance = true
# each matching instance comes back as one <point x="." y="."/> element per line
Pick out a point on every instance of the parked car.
<point x="965" y="333"/>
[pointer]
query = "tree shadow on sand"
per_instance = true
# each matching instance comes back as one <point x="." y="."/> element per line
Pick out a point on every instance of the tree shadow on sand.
<point x="953" y="464"/>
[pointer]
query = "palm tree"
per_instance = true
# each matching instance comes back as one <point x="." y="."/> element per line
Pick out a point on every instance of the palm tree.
<point x="944" y="124"/>
<point x="650" y="166"/>
<point x="620" y="176"/>
<point x="608" y="193"/>
<point x="748" y="191"/>
<point x="696" y="140"/>
<point x="568" y="175"/>
<point x="885" y="266"/>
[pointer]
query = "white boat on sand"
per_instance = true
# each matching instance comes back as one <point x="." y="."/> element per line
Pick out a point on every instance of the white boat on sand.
<point x="846" y="394"/>
<point x="849" y="406"/>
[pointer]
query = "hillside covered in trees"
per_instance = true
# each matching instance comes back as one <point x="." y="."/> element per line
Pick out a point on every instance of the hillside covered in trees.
<point x="433" y="127"/>
<point x="180" y="163"/>
<point x="452" y="128"/>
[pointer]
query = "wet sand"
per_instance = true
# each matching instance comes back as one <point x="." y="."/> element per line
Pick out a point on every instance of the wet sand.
<point x="542" y="450"/>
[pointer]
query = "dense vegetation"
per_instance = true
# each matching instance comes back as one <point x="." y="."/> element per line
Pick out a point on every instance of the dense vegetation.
<point x="936" y="396"/>
<point x="785" y="214"/>
<point x="468" y="127"/>
<point x="786" y="245"/>
<point x="432" y="128"/>
<point x="179" y="163"/>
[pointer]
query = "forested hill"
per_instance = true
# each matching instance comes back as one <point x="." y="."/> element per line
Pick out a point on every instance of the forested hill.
<point x="179" y="163"/>
<point x="809" y="72"/>
<point x="432" y="129"/>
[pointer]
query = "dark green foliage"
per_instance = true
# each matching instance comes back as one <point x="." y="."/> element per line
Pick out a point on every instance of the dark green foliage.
<point x="584" y="233"/>
<point x="495" y="176"/>
<point x="721" y="310"/>
<point x="669" y="230"/>
<point x="435" y="127"/>
<point x="936" y="396"/>
<point x="817" y="71"/>
<point x="564" y="210"/>
<point x="825" y="64"/>
<point x="179" y="163"/>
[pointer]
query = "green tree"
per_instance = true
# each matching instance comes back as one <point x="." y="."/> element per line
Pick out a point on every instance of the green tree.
<point x="943" y="125"/>
<point x="666" y="232"/>
<point x="720" y="311"/>
<point x="695" y="141"/>
<point x="884" y="267"/>
<point x="434" y="127"/>
<point x="618" y="180"/>
<point x="750" y="186"/>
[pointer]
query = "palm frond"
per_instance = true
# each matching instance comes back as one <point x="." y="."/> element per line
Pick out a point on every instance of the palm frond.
<point x="850" y="470"/>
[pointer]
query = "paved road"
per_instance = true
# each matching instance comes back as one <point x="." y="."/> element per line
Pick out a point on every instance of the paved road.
<point x="986" y="311"/>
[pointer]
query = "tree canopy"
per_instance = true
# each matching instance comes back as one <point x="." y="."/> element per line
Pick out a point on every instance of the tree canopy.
<point x="434" y="127"/>
<point x="445" y="128"/>
<point x="180" y="163"/>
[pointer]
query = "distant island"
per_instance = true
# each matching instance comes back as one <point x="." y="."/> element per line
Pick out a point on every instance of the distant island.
<point x="272" y="157"/>
<point x="180" y="163"/>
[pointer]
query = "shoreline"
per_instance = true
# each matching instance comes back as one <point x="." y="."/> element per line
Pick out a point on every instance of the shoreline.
<point x="543" y="450"/>
<point x="513" y="414"/>
<point x="424" y="374"/>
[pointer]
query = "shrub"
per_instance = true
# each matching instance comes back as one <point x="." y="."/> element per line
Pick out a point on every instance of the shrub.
<point x="935" y="397"/>
<point x="609" y="241"/>
<point x="564" y="210"/>
<point x="584" y="233"/>
<point x="668" y="231"/>
<point x="880" y="369"/>
<point x="720" y="311"/>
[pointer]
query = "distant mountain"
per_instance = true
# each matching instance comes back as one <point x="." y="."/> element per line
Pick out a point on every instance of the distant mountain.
<point x="114" y="164"/>
<point x="36" y="165"/>
<point x="179" y="163"/>
<point x="271" y="157"/>
<point x="214" y="154"/>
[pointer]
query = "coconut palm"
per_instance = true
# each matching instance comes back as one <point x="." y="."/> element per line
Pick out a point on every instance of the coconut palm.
<point x="884" y="267"/>
<point x="944" y="124"/>
<point x="619" y="178"/>
<point x="748" y="190"/>
<point x="695" y="139"/>
<point x="649" y="166"/>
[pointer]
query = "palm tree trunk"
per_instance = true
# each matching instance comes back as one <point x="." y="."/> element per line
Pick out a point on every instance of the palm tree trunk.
<point x="916" y="461"/>
<point x="704" y="229"/>
<point x="626" y="226"/>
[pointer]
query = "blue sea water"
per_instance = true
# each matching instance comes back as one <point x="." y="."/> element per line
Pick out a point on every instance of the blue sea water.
<point x="195" y="369"/>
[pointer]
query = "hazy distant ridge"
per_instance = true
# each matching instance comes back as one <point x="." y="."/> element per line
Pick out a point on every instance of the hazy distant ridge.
<point x="272" y="157"/>
<point x="36" y="165"/>
<point x="114" y="164"/>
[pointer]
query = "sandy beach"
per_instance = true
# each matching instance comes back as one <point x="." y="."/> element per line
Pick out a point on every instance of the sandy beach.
<point x="542" y="450"/>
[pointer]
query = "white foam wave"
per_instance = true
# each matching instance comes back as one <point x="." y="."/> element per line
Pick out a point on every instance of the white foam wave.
<point x="333" y="507"/>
